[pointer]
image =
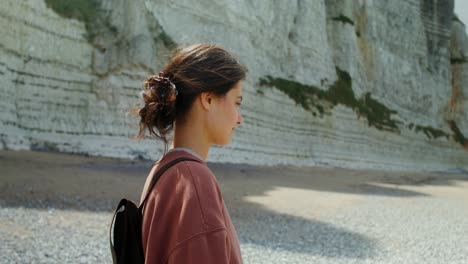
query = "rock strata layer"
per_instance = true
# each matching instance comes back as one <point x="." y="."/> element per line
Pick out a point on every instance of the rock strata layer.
<point x="372" y="84"/>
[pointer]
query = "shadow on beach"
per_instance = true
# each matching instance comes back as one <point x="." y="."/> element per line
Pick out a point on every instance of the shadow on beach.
<point x="44" y="180"/>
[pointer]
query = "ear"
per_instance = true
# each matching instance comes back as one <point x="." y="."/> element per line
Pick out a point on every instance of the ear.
<point x="206" y="100"/>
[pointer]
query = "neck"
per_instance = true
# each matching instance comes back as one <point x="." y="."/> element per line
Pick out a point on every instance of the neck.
<point x="187" y="135"/>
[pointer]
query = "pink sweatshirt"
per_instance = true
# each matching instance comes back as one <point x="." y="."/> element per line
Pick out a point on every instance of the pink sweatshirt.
<point x="185" y="219"/>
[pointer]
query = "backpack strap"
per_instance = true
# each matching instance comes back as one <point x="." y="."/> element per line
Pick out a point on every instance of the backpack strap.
<point x="158" y="174"/>
<point x="120" y="208"/>
<point x="123" y="202"/>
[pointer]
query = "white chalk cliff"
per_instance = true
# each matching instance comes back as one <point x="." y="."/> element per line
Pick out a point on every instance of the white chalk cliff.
<point x="370" y="84"/>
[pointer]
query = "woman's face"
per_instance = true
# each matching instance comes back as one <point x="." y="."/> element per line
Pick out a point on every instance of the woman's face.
<point x="225" y="116"/>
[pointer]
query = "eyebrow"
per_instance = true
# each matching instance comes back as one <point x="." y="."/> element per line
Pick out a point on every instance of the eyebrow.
<point x="240" y="98"/>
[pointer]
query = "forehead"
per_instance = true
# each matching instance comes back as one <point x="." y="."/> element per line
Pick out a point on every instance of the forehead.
<point x="235" y="92"/>
<point x="237" y="89"/>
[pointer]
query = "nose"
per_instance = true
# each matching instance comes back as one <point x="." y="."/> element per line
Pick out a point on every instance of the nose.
<point x="239" y="119"/>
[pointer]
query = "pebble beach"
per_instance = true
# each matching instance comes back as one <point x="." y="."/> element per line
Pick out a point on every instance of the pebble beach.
<point x="57" y="208"/>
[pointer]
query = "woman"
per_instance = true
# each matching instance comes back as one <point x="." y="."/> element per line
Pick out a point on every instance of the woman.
<point x="198" y="94"/>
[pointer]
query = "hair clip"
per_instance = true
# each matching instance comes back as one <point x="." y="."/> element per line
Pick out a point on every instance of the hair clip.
<point x="165" y="80"/>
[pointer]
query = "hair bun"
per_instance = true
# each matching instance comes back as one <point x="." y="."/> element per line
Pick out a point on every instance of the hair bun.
<point x="159" y="112"/>
<point x="161" y="82"/>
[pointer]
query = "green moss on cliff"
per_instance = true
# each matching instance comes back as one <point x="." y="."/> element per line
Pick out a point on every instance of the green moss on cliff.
<point x="301" y="94"/>
<point x="430" y="132"/>
<point x="95" y="19"/>
<point x="458" y="60"/>
<point x="340" y="92"/>
<point x="84" y="10"/>
<point x="343" y="19"/>
<point x="458" y="136"/>
<point x="167" y="40"/>
<point x="378" y="115"/>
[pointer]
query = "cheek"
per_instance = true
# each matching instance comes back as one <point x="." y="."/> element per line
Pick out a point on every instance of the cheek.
<point x="219" y="124"/>
<point x="226" y="121"/>
<point x="228" y="117"/>
<point x="233" y="117"/>
<point x="233" y="113"/>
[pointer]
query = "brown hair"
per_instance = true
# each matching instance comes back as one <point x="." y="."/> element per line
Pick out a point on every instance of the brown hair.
<point x="192" y="69"/>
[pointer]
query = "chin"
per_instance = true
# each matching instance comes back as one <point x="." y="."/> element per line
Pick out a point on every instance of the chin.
<point x="224" y="144"/>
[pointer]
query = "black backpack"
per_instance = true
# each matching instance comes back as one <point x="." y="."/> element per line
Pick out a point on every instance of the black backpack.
<point x="127" y="246"/>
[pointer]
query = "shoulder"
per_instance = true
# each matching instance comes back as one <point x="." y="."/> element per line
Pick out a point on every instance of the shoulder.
<point x="192" y="185"/>
<point x="208" y="192"/>
<point x="204" y="179"/>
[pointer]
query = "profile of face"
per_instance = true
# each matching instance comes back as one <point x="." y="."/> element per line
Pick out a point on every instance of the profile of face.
<point x="224" y="116"/>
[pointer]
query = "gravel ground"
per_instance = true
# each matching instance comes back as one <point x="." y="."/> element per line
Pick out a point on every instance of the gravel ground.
<point x="424" y="230"/>
<point x="314" y="215"/>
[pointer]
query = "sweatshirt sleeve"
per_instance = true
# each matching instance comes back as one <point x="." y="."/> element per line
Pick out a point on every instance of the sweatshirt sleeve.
<point x="210" y="247"/>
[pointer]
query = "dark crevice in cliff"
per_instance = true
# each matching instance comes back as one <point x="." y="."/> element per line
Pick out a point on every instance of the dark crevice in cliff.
<point x="3" y="144"/>
<point x="437" y="17"/>
<point x="458" y="61"/>
<point x="455" y="105"/>
<point x="29" y="74"/>
<point x="458" y="136"/>
<point x="344" y="19"/>
<point x="293" y="33"/>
